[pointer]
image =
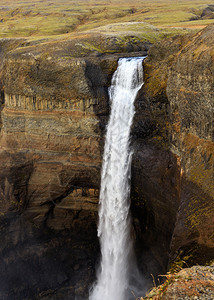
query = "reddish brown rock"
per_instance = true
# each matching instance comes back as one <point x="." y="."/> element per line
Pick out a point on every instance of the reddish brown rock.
<point x="54" y="109"/>
<point x="190" y="90"/>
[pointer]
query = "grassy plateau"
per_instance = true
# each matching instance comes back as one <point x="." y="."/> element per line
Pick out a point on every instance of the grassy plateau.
<point x="147" y="19"/>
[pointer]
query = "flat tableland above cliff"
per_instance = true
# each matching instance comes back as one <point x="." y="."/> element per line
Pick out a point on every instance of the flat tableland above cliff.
<point x="148" y="20"/>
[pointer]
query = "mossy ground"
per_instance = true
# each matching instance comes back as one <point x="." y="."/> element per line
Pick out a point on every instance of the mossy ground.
<point x="53" y="18"/>
<point x="190" y="283"/>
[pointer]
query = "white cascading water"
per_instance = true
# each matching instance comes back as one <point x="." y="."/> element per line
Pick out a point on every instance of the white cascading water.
<point x="113" y="282"/>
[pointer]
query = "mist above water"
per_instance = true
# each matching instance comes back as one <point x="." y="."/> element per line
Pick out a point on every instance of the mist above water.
<point x="116" y="279"/>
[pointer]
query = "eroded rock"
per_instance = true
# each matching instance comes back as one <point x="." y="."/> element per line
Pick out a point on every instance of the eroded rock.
<point x="54" y="109"/>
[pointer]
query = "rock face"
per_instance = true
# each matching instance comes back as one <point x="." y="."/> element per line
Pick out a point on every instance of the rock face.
<point x="180" y="74"/>
<point x="190" y="92"/>
<point x="53" y="116"/>
<point x="57" y="133"/>
<point x="50" y="172"/>
<point x="54" y="109"/>
<point x="190" y="283"/>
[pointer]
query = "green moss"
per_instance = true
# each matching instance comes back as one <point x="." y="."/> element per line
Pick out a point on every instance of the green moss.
<point x="180" y="262"/>
<point x="202" y="176"/>
<point x="89" y="46"/>
<point x="59" y="17"/>
<point x="138" y="198"/>
<point x="198" y="212"/>
<point x="210" y="263"/>
<point x="192" y="254"/>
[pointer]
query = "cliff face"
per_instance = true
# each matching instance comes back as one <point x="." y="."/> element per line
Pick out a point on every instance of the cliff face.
<point x="54" y="109"/>
<point x="179" y="86"/>
<point x="190" y="92"/>
<point x="51" y="119"/>
<point x="54" y="112"/>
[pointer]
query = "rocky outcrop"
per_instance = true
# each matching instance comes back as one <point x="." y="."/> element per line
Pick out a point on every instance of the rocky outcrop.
<point x="182" y="81"/>
<point x="55" y="108"/>
<point x="49" y="173"/>
<point x="53" y="128"/>
<point x="55" y="111"/>
<point x="190" y="283"/>
<point x="190" y="92"/>
<point x="172" y="176"/>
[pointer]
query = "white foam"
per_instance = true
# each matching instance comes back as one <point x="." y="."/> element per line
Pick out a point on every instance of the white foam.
<point x="113" y="280"/>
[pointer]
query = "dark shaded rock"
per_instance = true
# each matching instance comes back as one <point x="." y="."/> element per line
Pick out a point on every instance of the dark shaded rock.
<point x="39" y="262"/>
<point x="190" y="92"/>
<point x="155" y="200"/>
<point x="176" y="106"/>
<point x="54" y="111"/>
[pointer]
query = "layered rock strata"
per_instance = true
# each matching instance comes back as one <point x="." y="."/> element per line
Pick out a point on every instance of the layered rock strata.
<point x="51" y="144"/>
<point x="179" y="81"/>
<point x="54" y="113"/>
<point x="190" y="90"/>
<point x="54" y="109"/>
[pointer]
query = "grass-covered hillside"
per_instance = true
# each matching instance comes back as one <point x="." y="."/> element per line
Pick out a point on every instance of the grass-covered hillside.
<point x="148" y="19"/>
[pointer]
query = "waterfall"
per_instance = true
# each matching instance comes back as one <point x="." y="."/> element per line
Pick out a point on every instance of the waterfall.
<point x="113" y="281"/>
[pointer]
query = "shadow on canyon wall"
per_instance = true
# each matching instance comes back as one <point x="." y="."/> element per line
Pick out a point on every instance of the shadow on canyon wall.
<point x="55" y="111"/>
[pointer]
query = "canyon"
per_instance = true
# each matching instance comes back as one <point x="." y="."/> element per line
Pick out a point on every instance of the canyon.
<point x="54" y="107"/>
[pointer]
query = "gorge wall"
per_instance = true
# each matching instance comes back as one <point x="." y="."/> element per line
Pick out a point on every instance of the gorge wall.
<point x="50" y="173"/>
<point x="179" y="93"/>
<point x="190" y="94"/>
<point x="54" y="109"/>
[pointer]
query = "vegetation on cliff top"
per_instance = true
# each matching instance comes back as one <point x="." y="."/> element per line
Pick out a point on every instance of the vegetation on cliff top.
<point x="55" y="17"/>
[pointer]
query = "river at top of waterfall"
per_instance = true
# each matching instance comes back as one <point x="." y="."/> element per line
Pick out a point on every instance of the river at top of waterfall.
<point x="117" y="257"/>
